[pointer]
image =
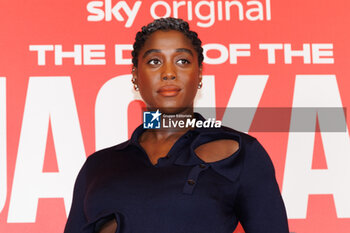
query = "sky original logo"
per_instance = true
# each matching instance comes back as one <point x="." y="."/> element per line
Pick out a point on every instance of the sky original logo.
<point x="204" y="13"/>
<point x="121" y="11"/>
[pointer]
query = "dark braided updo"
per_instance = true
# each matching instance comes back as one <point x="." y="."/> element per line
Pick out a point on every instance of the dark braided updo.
<point x="166" y="24"/>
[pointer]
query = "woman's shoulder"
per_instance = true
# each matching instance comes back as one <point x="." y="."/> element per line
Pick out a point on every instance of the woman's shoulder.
<point x="243" y="138"/>
<point x="250" y="147"/>
<point x="231" y="152"/>
<point x="101" y="154"/>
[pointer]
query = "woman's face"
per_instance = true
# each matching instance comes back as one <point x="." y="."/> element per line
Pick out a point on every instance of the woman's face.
<point x="168" y="72"/>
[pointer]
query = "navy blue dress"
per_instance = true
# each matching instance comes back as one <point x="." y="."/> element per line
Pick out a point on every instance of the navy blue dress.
<point x="181" y="193"/>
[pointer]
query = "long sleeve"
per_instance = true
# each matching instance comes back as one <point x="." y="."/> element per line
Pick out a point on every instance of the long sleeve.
<point x="260" y="207"/>
<point x="76" y="218"/>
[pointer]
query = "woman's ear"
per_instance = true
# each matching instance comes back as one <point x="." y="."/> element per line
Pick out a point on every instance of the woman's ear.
<point x="200" y="84"/>
<point x="134" y="72"/>
<point x="134" y="78"/>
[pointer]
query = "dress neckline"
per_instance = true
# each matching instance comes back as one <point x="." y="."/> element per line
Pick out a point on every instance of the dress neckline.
<point x="196" y="137"/>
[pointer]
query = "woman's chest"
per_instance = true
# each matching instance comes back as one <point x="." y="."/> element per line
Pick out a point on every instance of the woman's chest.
<point x="142" y="191"/>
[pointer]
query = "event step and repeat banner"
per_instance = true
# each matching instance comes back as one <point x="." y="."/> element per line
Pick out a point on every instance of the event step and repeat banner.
<point x="66" y="91"/>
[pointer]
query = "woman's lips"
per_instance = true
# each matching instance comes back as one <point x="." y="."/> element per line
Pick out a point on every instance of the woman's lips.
<point x="169" y="91"/>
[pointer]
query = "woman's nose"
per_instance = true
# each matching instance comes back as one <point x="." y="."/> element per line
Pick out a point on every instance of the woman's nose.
<point x="168" y="72"/>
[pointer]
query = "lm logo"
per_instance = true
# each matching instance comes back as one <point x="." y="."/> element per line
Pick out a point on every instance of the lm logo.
<point x="151" y="120"/>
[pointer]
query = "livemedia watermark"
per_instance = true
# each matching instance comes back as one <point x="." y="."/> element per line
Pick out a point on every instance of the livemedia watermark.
<point x="262" y="119"/>
<point x="158" y="120"/>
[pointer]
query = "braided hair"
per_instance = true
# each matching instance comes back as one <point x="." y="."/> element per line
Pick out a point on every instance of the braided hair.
<point x="166" y="24"/>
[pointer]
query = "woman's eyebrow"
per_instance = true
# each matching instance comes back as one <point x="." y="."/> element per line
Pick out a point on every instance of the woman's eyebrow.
<point x="184" y="50"/>
<point x="158" y="51"/>
<point x="151" y="51"/>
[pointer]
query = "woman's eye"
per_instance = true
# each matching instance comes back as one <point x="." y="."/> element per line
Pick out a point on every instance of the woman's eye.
<point x="183" y="61"/>
<point x="154" y="62"/>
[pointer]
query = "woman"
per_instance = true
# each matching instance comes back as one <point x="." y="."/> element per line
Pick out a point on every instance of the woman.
<point x="189" y="180"/>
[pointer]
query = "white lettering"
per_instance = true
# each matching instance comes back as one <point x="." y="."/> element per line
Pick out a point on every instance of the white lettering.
<point x="190" y="122"/>
<point x="91" y="54"/>
<point x="160" y="3"/>
<point x="289" y="53"/>
<point x="320" y="50"/>
<point x="49" y="99"/>
<point x="93" y="8"/>
<point x="239" y="8"/>
<point x="181" y="124"/>
<point x="176" y="6"/>
<point x="76" y="54"/>
<point x="111" y="116"/>
<point x="222" y="58"/>
<point x="205" y="97"/>
<point x="41" y="49"/>
<point x="321" y="53"/>
<point x="3" y="144"/>
<point x="189" y="11"/>
<point x="238" y="50"/>
<point x="119" y="49"/>
<point x="299" y="179"/>
<point x="113" y="11"/>
<point x="257" y="13"/>
<point x="271" y="51"/>
<point x="210" y="16"/>
<point x="251" y="10"/>
<point x="109" y="11"/>
<point x="244" y="100"/>
<point x="122" y="5"/>
<point x="220" y="11"/>
<point x="268" y="9"/>
<point x="94" y="51"/>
